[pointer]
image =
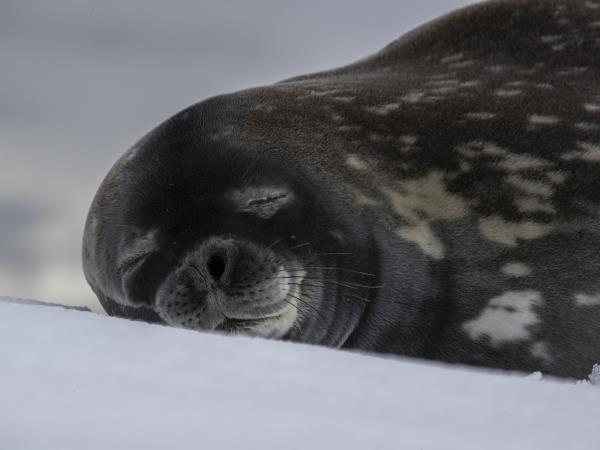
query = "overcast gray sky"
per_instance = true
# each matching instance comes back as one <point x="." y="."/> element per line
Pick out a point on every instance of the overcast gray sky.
<point x="80" y="81"/>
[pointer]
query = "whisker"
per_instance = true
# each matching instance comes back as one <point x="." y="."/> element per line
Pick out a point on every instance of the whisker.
<point x="341" y="283"/>
<point x="274" y="243"/>
<point x="304" y="302"/>
<point x="252" y="164"/>
<point x="300" y="245"/>
<point x="342" y="269"/>
<point x="314" y="286"/>
<point x="358" y="272"/>
<point x="358" y="297"/>
<point x="291" y="304"/>
<point x="306" y="286"/>
<point x="331" y="253"/>
<point x="273" y="258"/>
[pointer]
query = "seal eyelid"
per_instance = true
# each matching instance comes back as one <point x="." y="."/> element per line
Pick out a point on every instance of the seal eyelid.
<point x="266" y="200"/>
<point x="266" y="205"/>
<point x="262" y="201"/>
<point x="133" y="261"/>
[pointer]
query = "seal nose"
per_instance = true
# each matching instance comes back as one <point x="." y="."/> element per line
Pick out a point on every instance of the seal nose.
<point x="216" y="265"/>
<point x="218" y="260"/>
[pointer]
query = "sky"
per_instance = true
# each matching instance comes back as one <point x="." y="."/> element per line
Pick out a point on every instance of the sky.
<point x="82" y="80"/>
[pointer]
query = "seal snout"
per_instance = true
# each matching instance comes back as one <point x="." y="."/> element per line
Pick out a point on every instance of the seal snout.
<point x="234" y="284"/>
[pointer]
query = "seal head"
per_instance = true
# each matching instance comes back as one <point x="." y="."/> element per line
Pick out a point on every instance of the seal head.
<point x="196" y="233"/>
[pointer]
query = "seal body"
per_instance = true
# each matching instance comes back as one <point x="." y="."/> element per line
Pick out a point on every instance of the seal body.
<point x="439" y="199"/>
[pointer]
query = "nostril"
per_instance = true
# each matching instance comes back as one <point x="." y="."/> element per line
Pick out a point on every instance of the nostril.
<point x="216" y="266"/>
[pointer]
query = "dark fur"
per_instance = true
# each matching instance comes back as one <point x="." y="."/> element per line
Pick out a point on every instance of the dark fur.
<point x="463" y="147"/>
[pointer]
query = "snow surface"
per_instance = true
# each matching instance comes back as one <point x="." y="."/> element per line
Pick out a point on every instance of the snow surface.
<point x="77" y="380"/>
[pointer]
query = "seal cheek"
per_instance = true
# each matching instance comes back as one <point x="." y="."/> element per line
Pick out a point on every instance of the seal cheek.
<point x="139" y="279"/>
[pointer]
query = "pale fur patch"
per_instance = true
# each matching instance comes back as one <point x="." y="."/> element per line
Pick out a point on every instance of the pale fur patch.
<point x="506" y="319"/>
<point x="530" y="187"/>
<point x="422" y="201"/>
<point x="361" y="199"/>
<point x="540" y="350"/>
<point x="383" y="110"/>
<point x="428" y="197"/>
<point x="422" y="235"/>
<point x="592" y="107"/>
<point x="508" y="92"/>
<point x="509" y="161"/>
<point x="356" y="162"/>
<point x="586" y="151"/>
<point x="480" y="115"/>
<point x="587" y="299"/>
<point x="537" y="119"/>
<point x="453" y="58"/>
<point x="496" y="229"/>
<point x="534" y="205"/>
<point x="516" y="269"/>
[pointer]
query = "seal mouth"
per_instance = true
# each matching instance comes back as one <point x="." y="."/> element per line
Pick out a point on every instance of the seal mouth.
<point x="270" y="325"/>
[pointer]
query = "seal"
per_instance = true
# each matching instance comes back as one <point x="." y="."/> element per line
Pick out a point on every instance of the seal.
<point x="439" y="199"/>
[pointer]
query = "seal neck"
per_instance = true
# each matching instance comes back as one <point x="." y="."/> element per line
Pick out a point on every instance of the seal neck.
<point x="401" y="316"/>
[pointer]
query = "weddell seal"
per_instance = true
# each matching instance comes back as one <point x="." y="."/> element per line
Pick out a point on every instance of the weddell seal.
<point x="439" y="199"/>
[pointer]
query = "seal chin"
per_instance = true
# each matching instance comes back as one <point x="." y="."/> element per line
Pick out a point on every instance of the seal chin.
<point x="271" y="326"/>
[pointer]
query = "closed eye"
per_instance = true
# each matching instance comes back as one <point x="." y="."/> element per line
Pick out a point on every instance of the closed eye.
<point x="132" y="262"/>
<point x="262" y="201"/>
<point x="266" y="200"/>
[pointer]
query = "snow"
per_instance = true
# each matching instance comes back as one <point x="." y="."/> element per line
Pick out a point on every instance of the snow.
<point x="77" y="380"/>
